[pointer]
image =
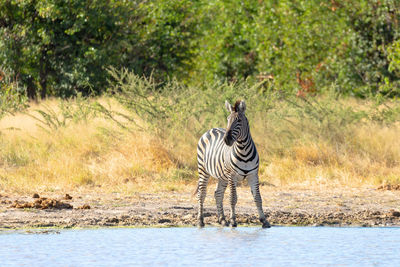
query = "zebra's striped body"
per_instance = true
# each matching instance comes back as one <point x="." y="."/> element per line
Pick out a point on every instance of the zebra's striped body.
<point x="229" y="155"/>
<point x="220" y="160"/>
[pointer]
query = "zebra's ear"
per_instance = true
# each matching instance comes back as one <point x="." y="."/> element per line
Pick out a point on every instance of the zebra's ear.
<point x="228" y="106"/>
<point x="242" y="106"/>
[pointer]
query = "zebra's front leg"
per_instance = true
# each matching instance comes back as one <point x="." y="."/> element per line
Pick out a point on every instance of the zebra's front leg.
<point x="255" y="190"/>
<point x="219" y="199"/>
<point x="233" y="199"/>
<point x="201" y="195"/>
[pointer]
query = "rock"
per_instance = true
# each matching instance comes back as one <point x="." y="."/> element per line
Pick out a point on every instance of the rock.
<point x="41" y="203"/>
<point x="112" y="220"/>
<point x="84" y="207"/>
<point x="36" y="195"/>
<point x="182" y="208"/>
<point x="395" y="213"/>
<point x="389" y="187"/>
<point x="123" y="218"/>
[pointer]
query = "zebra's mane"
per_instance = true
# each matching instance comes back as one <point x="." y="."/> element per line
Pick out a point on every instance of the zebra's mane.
<point x="236" y="107"/>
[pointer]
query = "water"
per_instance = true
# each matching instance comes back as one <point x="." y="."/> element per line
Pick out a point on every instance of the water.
<point x="277" y="246"/>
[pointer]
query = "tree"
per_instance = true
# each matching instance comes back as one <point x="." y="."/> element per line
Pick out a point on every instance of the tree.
<point x="61" y="47"/>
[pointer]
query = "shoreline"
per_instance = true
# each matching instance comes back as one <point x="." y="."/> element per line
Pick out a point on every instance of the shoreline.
<point x="283" y="207"/>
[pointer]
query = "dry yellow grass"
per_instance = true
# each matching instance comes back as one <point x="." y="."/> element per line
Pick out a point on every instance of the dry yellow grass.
<point x="98" y="155"/>
<point x="372" y="158"/>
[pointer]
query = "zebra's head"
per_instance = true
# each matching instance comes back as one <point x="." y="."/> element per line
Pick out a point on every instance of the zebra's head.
<point x="237" y="122"/>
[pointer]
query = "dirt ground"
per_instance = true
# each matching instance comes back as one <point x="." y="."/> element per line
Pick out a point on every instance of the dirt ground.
<point x="316" y="207"/>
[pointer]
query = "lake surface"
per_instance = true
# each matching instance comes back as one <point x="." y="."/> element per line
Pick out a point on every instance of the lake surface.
<point x="277" y="246"/>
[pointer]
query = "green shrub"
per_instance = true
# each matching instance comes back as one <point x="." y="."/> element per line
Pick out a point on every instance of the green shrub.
<point x="302" y="46"/>
<point x="12" y="97"/>
<point x="363" y="67"/>
<point x="174" y="106"/>
<point x="73" y="110"/>
<point x="64" y="47"/>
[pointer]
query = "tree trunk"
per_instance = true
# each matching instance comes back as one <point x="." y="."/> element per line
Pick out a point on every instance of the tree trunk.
<point x="43" y="75"/>
<point x="31" y="89"/>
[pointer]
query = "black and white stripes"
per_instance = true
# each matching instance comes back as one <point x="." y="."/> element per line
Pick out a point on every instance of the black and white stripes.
<point x="228" y="155"/>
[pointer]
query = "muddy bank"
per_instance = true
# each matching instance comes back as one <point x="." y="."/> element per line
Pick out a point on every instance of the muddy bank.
<point x="350" y="207"/>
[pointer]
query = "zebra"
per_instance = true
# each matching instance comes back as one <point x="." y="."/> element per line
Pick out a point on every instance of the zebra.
<point x="230" y="156"/>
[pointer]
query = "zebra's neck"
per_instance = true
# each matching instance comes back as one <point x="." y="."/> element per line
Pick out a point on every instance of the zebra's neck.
<point x="244" y="144"/>
<point x="244" y="138"/>
<point x="243" y="156"/>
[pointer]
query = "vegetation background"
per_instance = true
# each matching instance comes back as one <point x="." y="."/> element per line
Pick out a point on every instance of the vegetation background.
<point x="114" y="94"/>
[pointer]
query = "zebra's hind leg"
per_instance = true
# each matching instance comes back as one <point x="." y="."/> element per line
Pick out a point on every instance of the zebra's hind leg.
<point x="255" y="190"/>
<point x="201" y="195"/>
<point x="233" y="199"/>
<point x="219" y="199"/>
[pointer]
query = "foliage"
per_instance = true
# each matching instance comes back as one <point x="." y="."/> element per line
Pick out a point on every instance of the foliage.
<point x="173" y="105"/>
<point x="303" y="46"/>
<point x="63" y="47"/>
<point x="12" y="97"/>
<point x="363" y="65"/>
<point x="394" y="57"/>
<point x="282" y="39"/>
<point x="74" y="110"/>
<point x="227" y="44"/>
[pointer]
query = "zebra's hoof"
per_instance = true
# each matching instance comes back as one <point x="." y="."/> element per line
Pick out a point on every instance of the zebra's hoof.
<point x="233" y="223"/>
<point x="265" y="224"/>
<point x="200" y="224"/>
<point x="223" y="222"/>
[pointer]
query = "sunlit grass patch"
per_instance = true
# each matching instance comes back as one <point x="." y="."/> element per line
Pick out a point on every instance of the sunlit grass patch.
<point x="322" y="141"/>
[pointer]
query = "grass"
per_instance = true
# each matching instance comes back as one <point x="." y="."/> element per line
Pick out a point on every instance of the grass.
<point x="95" y="154"/>
<point x="110" y="145"/>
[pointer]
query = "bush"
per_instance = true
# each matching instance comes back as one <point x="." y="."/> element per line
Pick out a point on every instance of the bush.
<point x="64" y="47"/>
<point x="12" y="97"/>
<point x="302" y="45"/>
<point x="173" y="104"/>
<point x="362" y="67"/>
